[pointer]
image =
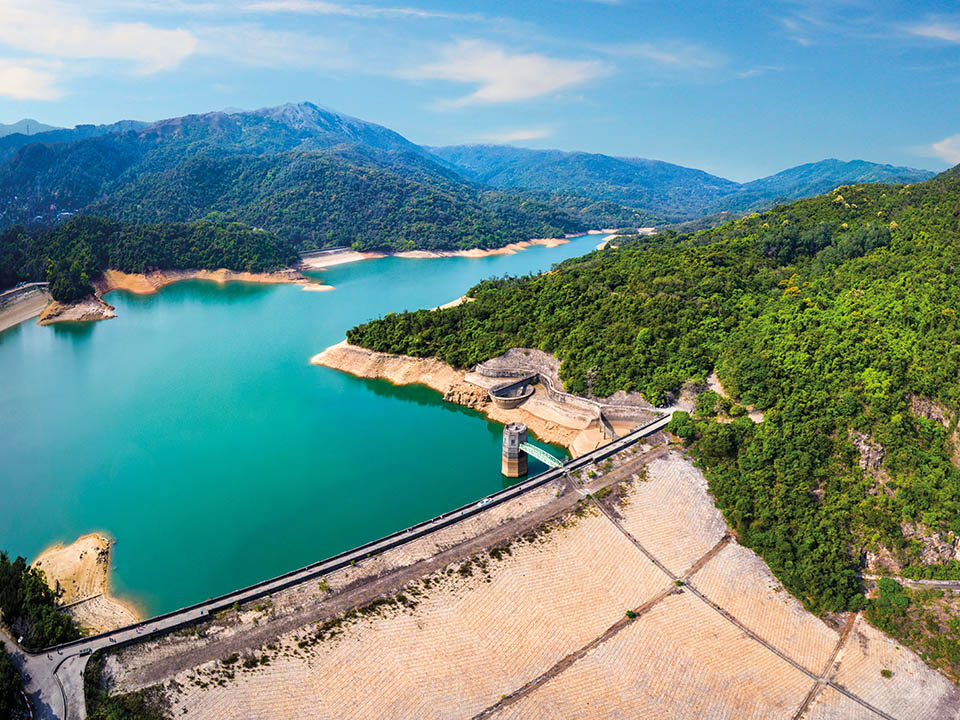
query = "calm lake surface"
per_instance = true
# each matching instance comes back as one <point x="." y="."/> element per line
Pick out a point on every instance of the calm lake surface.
<point x="194" y="431"/>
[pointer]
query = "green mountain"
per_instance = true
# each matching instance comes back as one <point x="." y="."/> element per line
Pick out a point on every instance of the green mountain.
<point x="667" y="191"/>
<point x="315" y="176"/>
<point x="670" y="192"/>
<point x="837" y="317"/>
<point x="320" y="178"/>
<point x="814" y="179"/>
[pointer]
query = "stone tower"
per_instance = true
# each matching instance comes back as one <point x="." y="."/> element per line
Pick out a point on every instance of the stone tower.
<point x="514" y="459"/>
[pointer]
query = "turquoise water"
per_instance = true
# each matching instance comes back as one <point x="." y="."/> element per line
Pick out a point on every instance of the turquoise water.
<point x="193" y="429"/>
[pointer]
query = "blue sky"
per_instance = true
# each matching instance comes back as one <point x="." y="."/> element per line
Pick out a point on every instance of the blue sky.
<point x="738" y="89"/>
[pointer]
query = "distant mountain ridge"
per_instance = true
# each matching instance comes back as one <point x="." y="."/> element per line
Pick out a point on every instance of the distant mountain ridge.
<point x="321" y="178"/>
<point x="673" y="192"/>
<point x="11" y="143"/>
<point x="814" y="179"/>
<point x="27" y="126"/>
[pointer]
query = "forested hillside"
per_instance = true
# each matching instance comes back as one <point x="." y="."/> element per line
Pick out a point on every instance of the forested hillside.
<point x="316" y="177"/>
<point x="74" y="255"/>
<point x="663" y="190"/>
<point x="836" y="316"/>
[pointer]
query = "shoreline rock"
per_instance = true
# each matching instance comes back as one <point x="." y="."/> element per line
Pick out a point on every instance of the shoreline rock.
<point x="548" y="420"/>
<point x="89" y="309"/>
<point x="80" y="574"/>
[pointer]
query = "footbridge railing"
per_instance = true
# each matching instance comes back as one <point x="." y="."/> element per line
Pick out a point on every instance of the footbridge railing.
<point x="541" y="455"/>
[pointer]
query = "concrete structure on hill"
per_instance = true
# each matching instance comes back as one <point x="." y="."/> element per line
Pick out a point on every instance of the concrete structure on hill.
<point x="514" y="458"/>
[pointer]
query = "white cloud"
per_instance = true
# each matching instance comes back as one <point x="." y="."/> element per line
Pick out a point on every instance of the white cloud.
<point x="517" y="135"/>
<point x="20" y="82"/>
<point x="504" y="76"/>
<point x="51" y="30"/>
<point x="947" y="149"/>
<point x="937" y="31"/>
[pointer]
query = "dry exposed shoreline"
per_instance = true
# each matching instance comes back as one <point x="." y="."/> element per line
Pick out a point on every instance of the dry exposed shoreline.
<point x="80" y="573"/>
<point x="94" y="308"/>
<point x="550" y="421"/>
<point x="325" y="261"/>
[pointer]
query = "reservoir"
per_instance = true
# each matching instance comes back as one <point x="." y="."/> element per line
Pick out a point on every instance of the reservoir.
<point x="194" y="431"/>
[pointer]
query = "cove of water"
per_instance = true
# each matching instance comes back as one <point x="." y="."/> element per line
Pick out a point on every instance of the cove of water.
<point x="194" y="431"/>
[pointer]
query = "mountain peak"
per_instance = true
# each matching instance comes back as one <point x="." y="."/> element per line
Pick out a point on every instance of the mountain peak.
<point x="27" y="126"/>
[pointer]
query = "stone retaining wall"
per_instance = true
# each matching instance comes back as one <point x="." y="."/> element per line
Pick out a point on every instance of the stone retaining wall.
<point x="612" y="411"/>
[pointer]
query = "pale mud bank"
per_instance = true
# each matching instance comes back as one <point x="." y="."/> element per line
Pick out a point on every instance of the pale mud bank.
<point x="89" y="309"/>
<point x="22" y="306"/>
<point x="550" y="421"/>
<point x="79" y="573"/>
<point x="321" y="262"/>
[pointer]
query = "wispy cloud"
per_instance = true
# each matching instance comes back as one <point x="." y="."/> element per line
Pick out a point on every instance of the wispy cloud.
<point x="517" y="135"/>
<point x="320" y="7"/>
<point x="675" y="54"/>
<point x="504" y="76"/>
<point x="950" y="32"/>
<point x="22" y="82"/>
<point x="947" y="150"/>
<point x="259" y="47"/>
<point x="52" y="30"/>
<point x="758" y="71"/>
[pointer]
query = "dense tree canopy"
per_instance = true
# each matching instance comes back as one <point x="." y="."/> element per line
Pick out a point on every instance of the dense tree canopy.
<point x="28" y="606"/>
<point x="830" y="314"/>
<point x="73" y="255"/>
<point x="11" y="702"/>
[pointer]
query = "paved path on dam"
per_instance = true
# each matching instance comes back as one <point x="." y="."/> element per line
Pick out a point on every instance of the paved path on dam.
<point x="54" y="676"/>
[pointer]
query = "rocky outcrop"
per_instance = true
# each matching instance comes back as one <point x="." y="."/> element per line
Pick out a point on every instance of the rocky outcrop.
<point x="471" y="396"/>
<point x="89" y="309"/>
<point x="931" y="410"/>
<point x="398" y="369"/>
<point x="935" y="547"/>
<point x="871" y="453"/>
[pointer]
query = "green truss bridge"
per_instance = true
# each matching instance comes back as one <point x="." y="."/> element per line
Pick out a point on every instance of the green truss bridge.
<point x="541" y="455"/>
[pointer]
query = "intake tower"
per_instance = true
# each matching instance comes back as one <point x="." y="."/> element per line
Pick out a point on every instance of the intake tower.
<point x="514" y="458"/>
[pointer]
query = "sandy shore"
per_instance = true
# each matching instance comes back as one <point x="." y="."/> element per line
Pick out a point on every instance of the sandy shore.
<point x="80" y="573"/>
<point x="22" y="307"/>
<point x="550" y="421"/>
<point x="325" y="261"/>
